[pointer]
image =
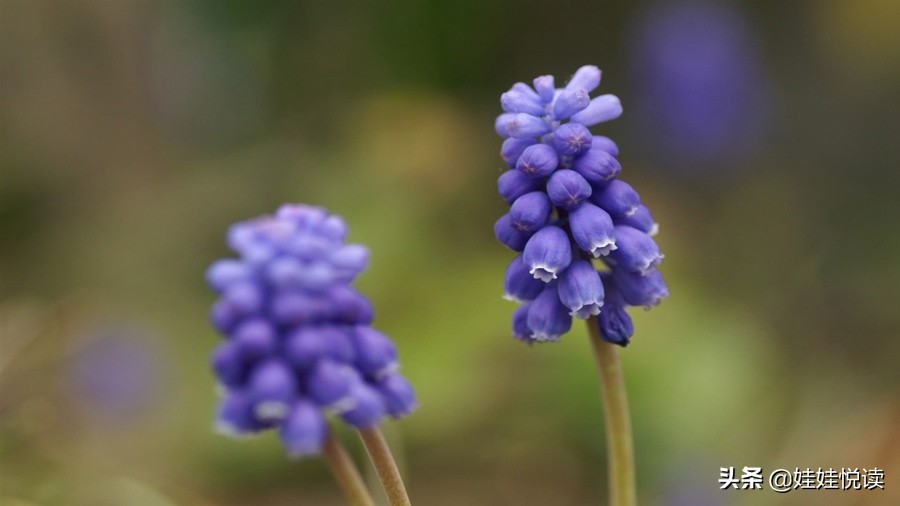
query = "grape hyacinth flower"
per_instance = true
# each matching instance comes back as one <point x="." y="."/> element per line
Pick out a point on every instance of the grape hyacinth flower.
<point x="568" y="210"/>
<point x="299" y="345"/>
<point x="584" y="238"/>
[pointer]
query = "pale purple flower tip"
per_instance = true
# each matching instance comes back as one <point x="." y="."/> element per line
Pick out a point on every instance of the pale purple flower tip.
<point x="524" y="125"/>
<point x="585" y="78"/>
<point x="601" y="109"/>
<point x="570" y="102"/>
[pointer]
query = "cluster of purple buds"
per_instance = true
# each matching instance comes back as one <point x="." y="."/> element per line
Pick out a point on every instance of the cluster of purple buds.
<point x="299" y="344"/>
<point x="568" y="210"/>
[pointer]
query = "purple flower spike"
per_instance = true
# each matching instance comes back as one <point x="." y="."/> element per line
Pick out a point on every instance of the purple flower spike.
<point x="547" y="253"/>
<point x="548" y="318"/>
<point x="530" y="212"/>
<point x="566" y="189"/>
<point x="304" y="430"/>
<point x="593" y="230"/>
<point x="299" y="345"/>
<point x="636" y="251"/>
<point x="572" y="139"/>
<point x="581" y="290"/>
<point x="518" y="283"/>
<point x="538" y="160"/>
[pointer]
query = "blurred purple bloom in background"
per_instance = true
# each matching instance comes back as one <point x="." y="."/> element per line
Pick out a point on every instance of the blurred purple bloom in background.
<point x="118" y="376"/>
<point x="299" y="344"/>
<point x="567" y="210"/>
<point x="699" y="85"/>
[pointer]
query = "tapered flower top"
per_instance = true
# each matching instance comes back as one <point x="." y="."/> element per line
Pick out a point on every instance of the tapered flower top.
<point x="298" y="341"/>
<point x="584" y="237"/>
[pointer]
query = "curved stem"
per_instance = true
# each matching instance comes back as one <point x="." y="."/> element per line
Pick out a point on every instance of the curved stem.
<point x="345" y="472"/>
<point x="620" y="453"/>
<point x="385" y="466"/>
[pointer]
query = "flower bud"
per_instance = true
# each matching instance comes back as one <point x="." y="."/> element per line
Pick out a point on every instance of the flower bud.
<point x="545" y="88"/>
<point x="602" y="108"/>
<point x="375" y="353"/>
<point x="586" y="78"/>
<point x="256" y="338"/>
<point x="581" y="290"/>
<point x="567" y="188"/>
<point x="641" y="290"/>
<point x="572" y="139"/>
<point x="525" y="125"/>
<point x="530" y="212"/>
<point x="569" y="102"/>
<point x="641" y="220"/>
<point x="547" y="253"/>
<point x="518" y="284"/>
<point x="538" y="160"/>
<point x="512" y="184"/>
<point x="615" y="325"/>
<point x="329" y="384"/>
<point x="304" y="430"/>
<point x="512" y="149"/>
<point x="399" y="396"/>
<point x="593" y="230"/>
<point x="636" y="251"/>
<point x="617" y="198"/>
<point x="368" y="407"/>
<point x="272" y="387"/>
<point x="508" y="235"/>
<point x="517" y="101"/>
<point x="548" y="318"/>
<point x="597" y="166"/>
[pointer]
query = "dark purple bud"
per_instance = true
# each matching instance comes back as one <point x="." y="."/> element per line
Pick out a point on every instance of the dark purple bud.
<point x="606" y="144"/>
<point x="530" y="212"/>
<point x="229" y="365"/>
<point x="637" y="290"/>
<point x="520" y="329"/>
<point x="581" y="290"/>
<point x="272" y="387"/>
<point x="602" y="108"/>
<point x="539" y="160"/>
<point x="636" y="251"/>
<point x="223" y="316"/>
<point x="548" y="318"/>
<point x="398" y="395"/>
<point x="617" y="198"/>
<point x="329" y="384"/>
<point x="641" y="220"/>
<point x="368" y="407"/>
<point x="593" y="230"/>
<point x="598" y="166"/>
<point x="307" y="344"/>
<point x="235" y="416"/>
<point x="547" y="253"/>
<point x="567" y="188"/>
<point x="375" y="353"/>
<point x="545" y="88"/>
<point x="512" y="149"/>
<point x="304" y="430"/>
<point x="517" y="101"/>
<point x="572" y="139"/>
<point x="512" y="184"/>
<point x="509" y="236"/>
<point x="615" y="325"/>
<point x="256" y="338"/>
<point x="350" y="306"/>
<point x="223" y="273"/>
<point x="525" y="125"/>
<point x="569" y="102"/>
<point x="585" y="78"/>
<point x="518" y="284"/>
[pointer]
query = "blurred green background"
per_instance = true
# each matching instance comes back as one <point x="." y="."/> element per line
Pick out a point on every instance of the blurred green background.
<point x="762" y="134"/>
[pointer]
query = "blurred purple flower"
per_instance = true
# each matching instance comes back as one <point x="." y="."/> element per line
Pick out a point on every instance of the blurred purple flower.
<point x="119" y="376"/>
<point x="700" y="88"/>
<point x="298" y="339"/>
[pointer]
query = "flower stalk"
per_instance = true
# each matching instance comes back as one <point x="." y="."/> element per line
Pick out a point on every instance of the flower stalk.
<point x="380" y="454"/>
<point x="345" y="472"/>
<point x="620" y="445"/>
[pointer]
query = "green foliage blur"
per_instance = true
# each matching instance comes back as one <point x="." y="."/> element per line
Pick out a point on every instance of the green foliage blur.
<point x="135" y="132"/>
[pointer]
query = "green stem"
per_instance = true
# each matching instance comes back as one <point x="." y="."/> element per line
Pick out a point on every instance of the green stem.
<point x="383" y="460"/>
<point x="345" y="472"/>
<point x="620" y="454"/>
